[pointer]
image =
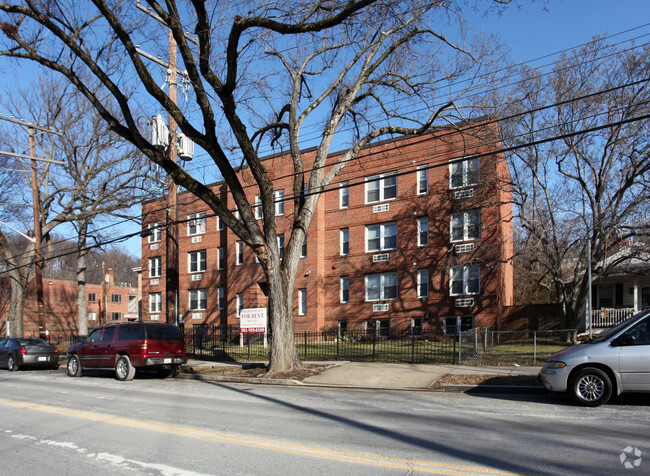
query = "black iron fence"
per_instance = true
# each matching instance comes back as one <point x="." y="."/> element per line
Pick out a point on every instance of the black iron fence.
<point x="360" y="346"/>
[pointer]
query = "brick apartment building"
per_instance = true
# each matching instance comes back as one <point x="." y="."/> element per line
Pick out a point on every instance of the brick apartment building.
<point x="109" y="302"/>
<point x="409" y="238"/>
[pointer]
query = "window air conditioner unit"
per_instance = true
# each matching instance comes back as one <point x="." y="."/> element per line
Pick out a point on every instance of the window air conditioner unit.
<point x="469" y="193"/>
<point x="467" y="302"/>
<point x="380" y="257"/>
<point x="155" y="246"/>
<point x="154" y="282"/>
<point x="197" y="277"/>
<point x="465" y="248"/>
<point x="384" y="207"/>
<point x="197" y="239"/>
<point x="379" y="307"/>
<point x="197" y="315"/>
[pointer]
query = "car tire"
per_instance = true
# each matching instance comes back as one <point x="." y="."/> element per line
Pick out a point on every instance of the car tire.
<point x="11" y="363"/>
<point x="124" y="370"/>
<point x="591" y="387"/>
<point x="73" y="366"/>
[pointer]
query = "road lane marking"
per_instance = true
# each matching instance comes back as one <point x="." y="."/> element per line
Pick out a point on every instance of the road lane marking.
<point x="326" y="453"/>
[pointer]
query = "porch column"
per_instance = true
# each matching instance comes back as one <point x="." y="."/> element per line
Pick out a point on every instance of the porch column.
<point x="635" y="296"/>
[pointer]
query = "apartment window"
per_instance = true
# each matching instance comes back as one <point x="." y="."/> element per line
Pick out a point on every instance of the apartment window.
<point x="345" y="289"/>
<point x="92" y="297"/>
<point x="115" y="316"/>
<point x="278" y="201"/>
<point x="464" y="173"/>
<point x="92" y="316"/>
<point x="465" y="226"/>
<point x="240" y="304"/>
<point x="454" y="325"/>
<point x="423" y="231"/>
<point x="154" y="267"/>
<point x="116" y="298"/>
<point x="380" y="287"/>
<point x="378" y="327"/>
<point x="343" y="328"/>
<point x="240" y="252"/>
<point x="345" y="241"/>
<point x="281" y="245"/>
<point x="221" y="258"/>
<point x="221" y="298"/>
<point x="197" y="261"/>
<point x="381" y="237"/>
<point x="155" y="229"/>
<point x="344" y="194"/>
<point x="198" y="299"/>
<point x="155" y="302"/>
<point x="219" y="223"/>
<point x="302" y="301"/>
<point x="196" y="224"/>
<point x="465" y="280"/>
<point x="259" y="213"/>
<point x="423" y="180"/>
<point x="416" y="326"/>
<point x="423" y="283"/>
<point x="303" y="249"/>
<point x="381" y="187"/>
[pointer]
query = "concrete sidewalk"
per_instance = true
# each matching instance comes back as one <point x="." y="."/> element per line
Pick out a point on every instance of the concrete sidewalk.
<point x="366" y="375"/>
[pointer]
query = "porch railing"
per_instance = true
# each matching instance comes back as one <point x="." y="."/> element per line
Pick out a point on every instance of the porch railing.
<point x="610" y="317"/>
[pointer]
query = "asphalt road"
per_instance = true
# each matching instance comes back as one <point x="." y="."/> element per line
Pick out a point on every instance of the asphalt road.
<point x="97" y="425"/>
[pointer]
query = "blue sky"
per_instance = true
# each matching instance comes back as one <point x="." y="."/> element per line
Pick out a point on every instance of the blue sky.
<point x="533" y="30"/>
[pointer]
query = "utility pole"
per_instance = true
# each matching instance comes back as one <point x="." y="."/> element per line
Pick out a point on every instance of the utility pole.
<point x="36" y="205"/>
<point x="171" y="275"/>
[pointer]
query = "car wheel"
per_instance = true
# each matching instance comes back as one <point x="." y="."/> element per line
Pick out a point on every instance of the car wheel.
<point x="591" y="387"/>
<point x="124" y="370"/>
<point x="11" y="363"/>
<point x="74" y="366"/>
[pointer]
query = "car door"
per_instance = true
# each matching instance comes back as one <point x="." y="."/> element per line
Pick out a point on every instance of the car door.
<point x="105" y="348"/>
<point x="634" y="357"/>
<point x="89" y="353"/>
<point x="4" y="343"/>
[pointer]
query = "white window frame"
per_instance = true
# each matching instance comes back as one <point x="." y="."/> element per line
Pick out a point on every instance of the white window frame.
<point x="221" y="258"/>
<point x="462" y="168"/>
<point x="423" y="180"/>
<point x="92" y="315"/>
<point x="382" y="229"/>
<point x="383" y="285"/>
<point x="464" y="219"/>
<point x="281" y="245"/>
<point x="156" y="232"/>
<point x="221" y="297"/>
<point x="302" y="301"/>
<point x="240" y="303"/>
<point x="196" y="224"/>
<point x="423" y="231"/>
<point x="219" y="223"/>
<point x="239" y="250"/>
<point x="198" y="299"/>
<point x="278" y="202"/>
<point x="155" y="267"/>
<point x="303" y="248"/>
<point x="344" y="294"/>
<point x="344" y="239"/>
<point x="467" y="274"/>
<point x="423" y="283"/>
<point x="344" y="194"/>
<point x="197" y="261"/>
<point x="155" y="302"/>
<point x="382" y="187"/>
<point x="259" y="212"/>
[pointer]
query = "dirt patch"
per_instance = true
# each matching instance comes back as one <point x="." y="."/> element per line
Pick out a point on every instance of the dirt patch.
<point x="522" y="380"/>
<point x="256" y="371"/>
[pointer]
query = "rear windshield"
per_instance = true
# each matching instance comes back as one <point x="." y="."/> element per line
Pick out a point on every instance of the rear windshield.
<point x="32" y="342"/>
<point x="163" y="332"/>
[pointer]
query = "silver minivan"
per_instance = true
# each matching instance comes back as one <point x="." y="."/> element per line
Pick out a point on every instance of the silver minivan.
<point x="613" y="362"/>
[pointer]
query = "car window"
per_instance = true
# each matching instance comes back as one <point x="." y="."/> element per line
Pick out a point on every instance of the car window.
<point x="3" y="342"/>
<point x="130" y="331"/>
<point x="108" y="334"/>
<point x="163" y="332"/>
<point x="94" y="336"/>
<point x="640" y="332"/>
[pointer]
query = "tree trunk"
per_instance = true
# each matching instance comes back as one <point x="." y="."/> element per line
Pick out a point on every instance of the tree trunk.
<point x="15" y="327"/>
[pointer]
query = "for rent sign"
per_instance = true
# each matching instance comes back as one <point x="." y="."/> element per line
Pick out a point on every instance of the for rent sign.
<point x="253" y="320"/>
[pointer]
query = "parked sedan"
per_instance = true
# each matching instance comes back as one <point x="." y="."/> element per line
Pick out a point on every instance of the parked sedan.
<point x="16" y="352"/>
<point x="613" y="362"/>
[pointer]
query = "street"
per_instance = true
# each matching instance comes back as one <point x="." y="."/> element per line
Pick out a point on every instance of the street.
<point x="63" y="425"/>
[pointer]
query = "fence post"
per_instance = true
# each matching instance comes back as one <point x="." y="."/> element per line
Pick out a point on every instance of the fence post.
<point x="305" y="346"/>
<point x="534" y="347"/>
<point x="412" y="345"/>
<point x="248" y="344"/>
<point x="374" y="340"/>
<point x="460" y="345"/>
<point x="338" y="340"/>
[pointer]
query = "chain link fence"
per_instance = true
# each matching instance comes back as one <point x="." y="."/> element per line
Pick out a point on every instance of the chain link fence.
<point x="487" y="346"/>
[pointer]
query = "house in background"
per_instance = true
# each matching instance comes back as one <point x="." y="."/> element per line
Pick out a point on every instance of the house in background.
<point x="415" y="234"/>
<point x="623" y="288"/>
<point x="108" y="302"/>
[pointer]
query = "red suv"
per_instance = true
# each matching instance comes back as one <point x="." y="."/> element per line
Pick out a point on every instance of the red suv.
<point x="126" y="347"/>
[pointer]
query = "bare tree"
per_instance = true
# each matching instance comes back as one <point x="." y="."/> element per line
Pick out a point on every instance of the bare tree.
<point x="265" y="74"/>
<point x="102" y="177"/>
<point x="582" y="166"/>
